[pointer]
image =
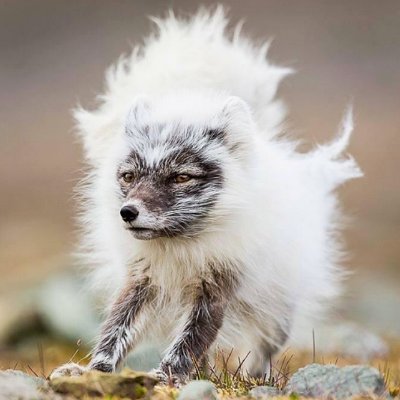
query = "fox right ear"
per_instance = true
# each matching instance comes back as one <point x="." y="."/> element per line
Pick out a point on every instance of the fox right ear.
<point x="238" y="122"/>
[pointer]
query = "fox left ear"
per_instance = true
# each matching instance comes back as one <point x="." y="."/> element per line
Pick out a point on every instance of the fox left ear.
<point x="139" y="114"/>
<point x="235" y="108"/>
<point x="99" y="128"/>
<point x="238" y="123"/>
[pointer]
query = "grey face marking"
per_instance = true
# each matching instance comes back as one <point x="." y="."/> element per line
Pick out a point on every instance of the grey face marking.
<point x="168" y="207"/>
<point x="216" y="135"/>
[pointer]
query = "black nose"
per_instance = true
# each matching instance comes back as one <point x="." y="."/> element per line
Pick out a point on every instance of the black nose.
<point x="129" y="213"/>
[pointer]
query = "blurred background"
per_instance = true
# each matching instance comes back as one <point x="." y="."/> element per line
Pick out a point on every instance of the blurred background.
<point x="53" y="55"/>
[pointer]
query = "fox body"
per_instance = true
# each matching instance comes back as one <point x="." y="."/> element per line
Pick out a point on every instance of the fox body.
<point x="204" y="227"/>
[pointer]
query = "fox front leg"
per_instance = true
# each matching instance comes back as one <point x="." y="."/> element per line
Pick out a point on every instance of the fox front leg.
<point x="119" y="333"/>
<point x="199" y="333"/>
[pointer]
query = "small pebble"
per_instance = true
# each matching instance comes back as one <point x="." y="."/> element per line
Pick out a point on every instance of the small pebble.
<point x="265" y="392"/>
<point x="198" y="390"/>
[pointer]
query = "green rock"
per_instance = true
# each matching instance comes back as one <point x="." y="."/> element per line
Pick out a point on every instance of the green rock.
<point x="127" y="384"/>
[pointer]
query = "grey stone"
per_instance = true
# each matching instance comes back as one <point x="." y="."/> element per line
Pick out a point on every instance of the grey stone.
<point x="66" y="292"/>
<point x="144" y="358"/>
<point x="16" y="385"/>
<point x="264" y="392"/>
<point x="330" y="381"/>
<point x="198" y="390"/>
<point x="40" y="306"/>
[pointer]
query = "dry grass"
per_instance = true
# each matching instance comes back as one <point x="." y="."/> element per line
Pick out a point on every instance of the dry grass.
<point x="231" y="383"/>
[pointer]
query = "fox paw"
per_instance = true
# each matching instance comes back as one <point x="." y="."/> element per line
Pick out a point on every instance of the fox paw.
<point x="174" y="380"/>
<point x="70" y="369"/>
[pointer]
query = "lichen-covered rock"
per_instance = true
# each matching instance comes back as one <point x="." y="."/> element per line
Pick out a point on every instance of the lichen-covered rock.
<point x="198" y="390"/>
<point x="264" y="392"/>
<point x="16" y="385"/>
<point x="330" y="381"/>
<point x="127" y="384"/>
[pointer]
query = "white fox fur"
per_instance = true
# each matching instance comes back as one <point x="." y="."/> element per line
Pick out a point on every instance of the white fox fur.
<point x="277" y="216"/>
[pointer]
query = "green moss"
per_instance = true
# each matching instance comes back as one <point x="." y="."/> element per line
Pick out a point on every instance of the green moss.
<point x="127" y="384"/>
<point x="140" y="391"/>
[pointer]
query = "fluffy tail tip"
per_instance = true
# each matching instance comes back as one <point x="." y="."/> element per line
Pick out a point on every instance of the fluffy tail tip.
<point x="329" y="159"/>
<point x="340" y="143"/>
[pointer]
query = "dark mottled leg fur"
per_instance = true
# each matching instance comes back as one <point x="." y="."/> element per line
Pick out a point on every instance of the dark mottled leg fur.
<point x="201" y="329"/>
<point x="118" y="333"/>
<point x="268" y="350"/>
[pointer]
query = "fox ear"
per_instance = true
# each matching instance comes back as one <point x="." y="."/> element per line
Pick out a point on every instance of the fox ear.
<point x="238" y="123"/>
<point x="235" y="109"/>
<point x="99" y="128"/>
<point x="139" y="113"/>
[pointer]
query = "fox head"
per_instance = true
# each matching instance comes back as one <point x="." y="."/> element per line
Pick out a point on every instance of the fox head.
<point x="176" y="162"/>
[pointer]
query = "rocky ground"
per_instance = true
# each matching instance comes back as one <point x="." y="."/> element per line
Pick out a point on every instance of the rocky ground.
<point x="292" y="376"/>
<point x="314" y="380"/>
<point x="35" y="338"/>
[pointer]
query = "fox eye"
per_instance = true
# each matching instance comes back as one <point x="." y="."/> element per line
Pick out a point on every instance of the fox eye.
<point x="127" y="177"/>
<point x="182" y="178"/>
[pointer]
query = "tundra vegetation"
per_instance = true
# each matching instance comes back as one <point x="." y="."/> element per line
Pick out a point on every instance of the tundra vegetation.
<point x="381" y="375"/>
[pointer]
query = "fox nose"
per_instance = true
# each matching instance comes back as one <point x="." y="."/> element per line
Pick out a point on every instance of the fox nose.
<point x="129" y="213"/>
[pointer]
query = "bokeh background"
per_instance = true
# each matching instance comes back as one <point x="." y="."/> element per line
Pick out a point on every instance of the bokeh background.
<point x="53" y="55"/>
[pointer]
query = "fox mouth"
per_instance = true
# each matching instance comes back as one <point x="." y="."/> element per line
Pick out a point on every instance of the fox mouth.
<point x="139" y="229"/>
<point x="143" y="233"/>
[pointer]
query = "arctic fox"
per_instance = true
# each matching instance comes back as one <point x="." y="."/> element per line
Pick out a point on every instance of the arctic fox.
<point x="207" y="228"/>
